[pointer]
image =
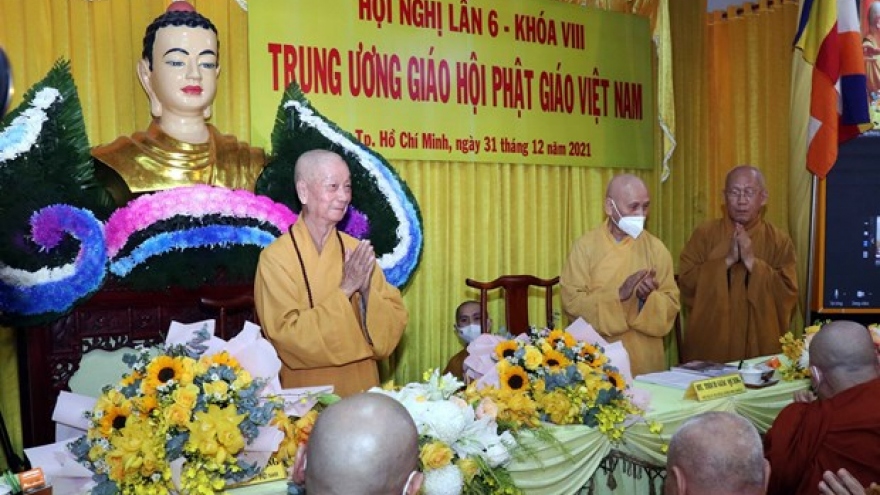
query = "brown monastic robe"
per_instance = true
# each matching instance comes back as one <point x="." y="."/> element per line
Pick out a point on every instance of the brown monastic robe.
<point x="732" y="314"/>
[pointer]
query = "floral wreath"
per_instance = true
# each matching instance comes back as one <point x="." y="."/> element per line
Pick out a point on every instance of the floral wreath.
<point x="62" y="242"/>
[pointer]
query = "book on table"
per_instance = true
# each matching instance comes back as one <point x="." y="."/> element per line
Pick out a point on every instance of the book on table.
<point x="706" y="368"/>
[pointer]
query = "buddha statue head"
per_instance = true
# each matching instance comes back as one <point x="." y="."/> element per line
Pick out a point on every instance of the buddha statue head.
<point x="179" y="70"/>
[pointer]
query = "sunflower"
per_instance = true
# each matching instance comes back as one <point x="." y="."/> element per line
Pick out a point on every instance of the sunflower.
<point x="591" y="355"/>
<point x="223" y="358"/>
<point x="556" y="360"/>
<point x="114" y="418"/>
<point x="616" y="379"/>
<point x="162" y="370"/>
<point x="506" y="349"/>
<point x="514" y="378"/>
<point x="561" y="338"/>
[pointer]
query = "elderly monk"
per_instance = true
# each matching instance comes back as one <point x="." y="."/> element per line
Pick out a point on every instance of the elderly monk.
<point x="321" y="297"/>
<point x="366" y="444"/>
<point x="716" y="453"/>
<point x="179" y="72"/>
<point x="619" y="278"/>
<point x="839" y="430"/>
<point x="737" y="277"/>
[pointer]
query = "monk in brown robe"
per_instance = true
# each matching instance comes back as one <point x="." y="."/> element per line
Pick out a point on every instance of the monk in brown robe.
<point x="619" y="278"/>
<point x="737" y="278"/>
<point x="321" y="297"/>
<point x="179" y="71"/>
<point x="839" y="430"/>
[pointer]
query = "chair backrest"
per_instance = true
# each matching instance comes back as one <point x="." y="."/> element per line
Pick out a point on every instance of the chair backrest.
<point x="239" y="307"/>
<point x="516" y="299"/>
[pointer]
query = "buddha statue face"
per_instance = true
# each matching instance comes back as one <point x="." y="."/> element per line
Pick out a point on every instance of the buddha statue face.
<point x="183" y="80"/>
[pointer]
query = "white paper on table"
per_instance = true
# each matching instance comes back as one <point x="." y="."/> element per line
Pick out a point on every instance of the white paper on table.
<point x="257" y="355"/>
<point x="299" y="401"/>
<point x="183" y="333"/>
<point x="268" y="439"/>
<point x="62" y="471"/>
<point x="616" y="353"/>
<point x="70" y="409"/>
<point x="674" y="379"/>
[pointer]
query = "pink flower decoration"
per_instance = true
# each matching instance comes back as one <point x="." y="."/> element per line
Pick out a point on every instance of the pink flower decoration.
<point x="193" y="201"/>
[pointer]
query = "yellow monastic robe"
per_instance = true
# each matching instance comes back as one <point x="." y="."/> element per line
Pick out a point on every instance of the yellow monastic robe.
<point x="153" y="161"/>
<point x="325" y="344"/>
<point x="591" y="279"/>
<point x="733" y="314"/>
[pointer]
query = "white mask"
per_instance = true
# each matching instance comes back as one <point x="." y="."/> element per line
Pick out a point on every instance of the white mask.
<point x="632" y="225"/>
<point x="469" y="333"/>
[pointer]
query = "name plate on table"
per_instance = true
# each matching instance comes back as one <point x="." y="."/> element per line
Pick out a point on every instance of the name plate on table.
<point x="716" y="387"/>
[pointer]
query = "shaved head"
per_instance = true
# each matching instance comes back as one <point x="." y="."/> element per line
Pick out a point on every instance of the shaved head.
<point x="744" y="171"/>
<point x="842" y="355"/>
<point x="626" y="195"/>
<point x="309" y="164"/>
<point x="716" y="453"/>
<point x="624" y="182"/>
<point x="365" y="444"/>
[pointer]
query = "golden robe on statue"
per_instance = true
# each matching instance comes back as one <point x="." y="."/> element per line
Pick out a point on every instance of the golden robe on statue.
<point x="153" y="161"/>
<point x="591" y="279"/>
<point x="733" y="314"/>
<point x="329" y="341"/>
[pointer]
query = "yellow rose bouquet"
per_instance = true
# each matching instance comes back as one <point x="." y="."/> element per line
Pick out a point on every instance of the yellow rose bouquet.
<point x="548" y="376"/>
<point x="179" y="420"/>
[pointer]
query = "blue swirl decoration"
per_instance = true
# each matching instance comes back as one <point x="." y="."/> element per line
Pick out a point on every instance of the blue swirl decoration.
<point x="57" y="289"/>
<point x="167" y="242"/>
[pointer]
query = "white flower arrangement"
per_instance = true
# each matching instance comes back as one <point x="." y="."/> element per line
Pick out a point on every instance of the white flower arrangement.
<point x="22" y="133"/>
<point x="477" y="447"/>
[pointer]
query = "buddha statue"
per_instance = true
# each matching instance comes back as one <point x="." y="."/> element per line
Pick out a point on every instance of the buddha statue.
<point x="178" y="70"/>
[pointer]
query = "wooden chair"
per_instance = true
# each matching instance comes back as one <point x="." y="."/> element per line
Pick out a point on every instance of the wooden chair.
<point x="516" y="299"/>
<point x="238" y="307"/>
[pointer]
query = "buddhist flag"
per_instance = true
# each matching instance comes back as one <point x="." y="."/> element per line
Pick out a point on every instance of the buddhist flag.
<point x="829" y="39"/>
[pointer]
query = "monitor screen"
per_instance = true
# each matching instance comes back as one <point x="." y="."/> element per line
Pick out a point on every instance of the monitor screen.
<point x="848" y="230"/>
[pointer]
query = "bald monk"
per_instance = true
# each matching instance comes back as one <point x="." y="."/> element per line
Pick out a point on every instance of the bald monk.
<point x="467" y="326"/>
<point x="619" y="278"/>
<point x="321" y="297"/>
<point x="716" y="453"/>
<point x="839" y="430"/>
<point x="179" y="72"/>
<point x="737" y="277"/>
<point x="366" y="444"/>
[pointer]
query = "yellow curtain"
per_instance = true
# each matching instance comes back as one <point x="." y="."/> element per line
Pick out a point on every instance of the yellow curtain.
<point x="749" y="74"/>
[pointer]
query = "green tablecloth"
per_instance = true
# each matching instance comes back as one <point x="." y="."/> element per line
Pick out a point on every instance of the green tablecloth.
<point x="553" y="472"/>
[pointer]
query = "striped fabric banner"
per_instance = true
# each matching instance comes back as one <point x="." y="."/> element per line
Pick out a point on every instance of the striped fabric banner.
<point x="829" y="39"/>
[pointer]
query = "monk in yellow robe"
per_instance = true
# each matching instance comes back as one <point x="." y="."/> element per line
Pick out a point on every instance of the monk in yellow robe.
<point x="620" y="279"/>
<point x="322" y="299"/>
<point x="737" y="277"/>
<point x="179" y="71"/>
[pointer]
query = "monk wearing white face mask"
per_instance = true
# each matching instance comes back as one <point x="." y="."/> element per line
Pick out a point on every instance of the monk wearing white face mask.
<point x="619" y="278"/>
<point x="467" y="328"/>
